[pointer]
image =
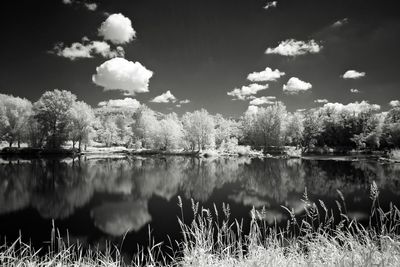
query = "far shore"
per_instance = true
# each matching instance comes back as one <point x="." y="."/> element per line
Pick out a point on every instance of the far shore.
<point x="29" y="153"/>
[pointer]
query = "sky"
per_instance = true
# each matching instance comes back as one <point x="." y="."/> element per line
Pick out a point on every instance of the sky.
<point x="183" y="55"/>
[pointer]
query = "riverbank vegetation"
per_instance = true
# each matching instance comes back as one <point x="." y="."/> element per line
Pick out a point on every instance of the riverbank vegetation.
<point x="58" y="118"/>
<point x="321" y="236"/>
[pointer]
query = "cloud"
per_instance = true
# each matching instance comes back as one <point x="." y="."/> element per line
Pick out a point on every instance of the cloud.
<point x="271" y="4"/>
<point x="67" y="2"/>
<point x="121" y="74"/>
<point x="340" y="23"/>
<point x="121" y="103"/>
<point x="91" y="6"/>
<point x="394" y="103"/>
<point x="354" y="91"/>
<point x="263" y="100"/>
<point x="355" y="107"/>
<point x="185" y="101"/>
<point x="265" y="76"/>
<point x="246" y="91"/>
<point x="166" y="97"/>
<point x="295" y="86"/>
<point x="118" y="29"/>
<point x="87" y="49"/>
<point x="353" y="74"/>
<point x="321" y="101"/>
<point x="291" y="47"/>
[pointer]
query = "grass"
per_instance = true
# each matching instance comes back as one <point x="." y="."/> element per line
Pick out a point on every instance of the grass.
<point x="320" y="237"/>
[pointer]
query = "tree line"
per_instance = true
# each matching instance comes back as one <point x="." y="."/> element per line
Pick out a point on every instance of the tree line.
<point x="58" y="117"/>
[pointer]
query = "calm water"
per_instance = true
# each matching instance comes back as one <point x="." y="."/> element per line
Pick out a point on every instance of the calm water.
<point x="98" y="199"/>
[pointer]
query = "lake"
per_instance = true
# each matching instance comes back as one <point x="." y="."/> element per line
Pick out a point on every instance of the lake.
<point x="96" y="199"/>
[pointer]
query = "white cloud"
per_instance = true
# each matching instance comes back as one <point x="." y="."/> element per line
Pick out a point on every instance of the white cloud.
<point x="291" y="47"/>
<point x="121" y="74"/>
<point x="353" y="74"/>
<point x="295" y="86"/>
<point x="263" y="100"/>
<point x="394" y="103"/>
<point x="87" y="50"/>
<point x="91" y="6"/>
<point x="355" y="107"/>
<point x="118" y="29"/>
<point x="271" y="4"/>
<point x="266" y="75"/>
<point x="340" y="23"/>
<point x="354" y="91"/>
<point x="246" y="91"/>
<point x="321" y="101"/>
<point x="121" y="103"/>
<point x="67" y="2"/>
<point x="166" y="97"/>
<point x="185" y="101"/>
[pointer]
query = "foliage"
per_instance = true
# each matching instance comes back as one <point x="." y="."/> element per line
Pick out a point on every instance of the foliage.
<point x="199" y="129"/>
<point x="53" y="113"/>
<point x="14" y="114"/>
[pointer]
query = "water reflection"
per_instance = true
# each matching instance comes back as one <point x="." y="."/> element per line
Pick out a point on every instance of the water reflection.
<point x="56" y="189"/>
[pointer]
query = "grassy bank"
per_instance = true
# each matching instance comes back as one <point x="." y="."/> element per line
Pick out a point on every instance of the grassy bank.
<point x="319" y="237"/>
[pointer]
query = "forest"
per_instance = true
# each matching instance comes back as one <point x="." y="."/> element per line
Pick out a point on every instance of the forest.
<point x="59" y="118"/>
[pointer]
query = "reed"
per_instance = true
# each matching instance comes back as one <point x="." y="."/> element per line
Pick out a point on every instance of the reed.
<point x="321" y="236"/>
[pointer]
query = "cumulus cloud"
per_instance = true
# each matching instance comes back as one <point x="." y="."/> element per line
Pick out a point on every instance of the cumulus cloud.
<point x="91" y="6"/>
<point x="353" y="74"/>
<point x="340" y="23"/>
<point x="246" y="91"/>
<point x="185" y="101"/>
<point x="356" y="107"/>
<point x="121" y="74"/>
<point x="87" y="49"/>
<point x="354" y="91"/>
<point x="291" y="47"/>
<point x="121" y="103"/>
<point x="394" y="103"/>
<point x="271" y="4"/>
<point x="263" y="100"/>
<point x="265" y="76"/>
<point x="321" y="101"/>
<point x="118" y="29"/>
<point x="295" y="86"/>
<point x="166" y="97"/>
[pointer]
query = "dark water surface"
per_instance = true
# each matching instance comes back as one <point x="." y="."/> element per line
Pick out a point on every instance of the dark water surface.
<point x="96" y="199"/>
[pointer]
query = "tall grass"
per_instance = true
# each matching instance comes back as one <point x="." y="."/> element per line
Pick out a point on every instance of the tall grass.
<point x="320" y="237"/>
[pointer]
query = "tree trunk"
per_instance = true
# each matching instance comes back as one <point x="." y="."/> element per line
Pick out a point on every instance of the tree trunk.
<point x="79" y="144"/>
<point x="19" y="143"/>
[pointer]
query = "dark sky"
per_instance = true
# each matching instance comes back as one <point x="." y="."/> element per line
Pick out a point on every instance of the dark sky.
<point x="201" y="49"/>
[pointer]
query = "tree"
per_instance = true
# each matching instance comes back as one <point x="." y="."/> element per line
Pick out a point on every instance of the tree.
<point x="14" y="116"/>
<point x="391" y="129"/>
<point x="146" y="127"/>
<point x="171" y="132"/>
<point x="199" y="129"/>
<point x="82" y="119"/>
<point x="225" y="129"/>
<point x="53" y="113"/>
<point x="313" y="128"/>
<point x="293" y="129"/>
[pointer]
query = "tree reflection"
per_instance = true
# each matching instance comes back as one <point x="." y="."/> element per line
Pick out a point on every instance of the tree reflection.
<point x="57" y="188"/>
